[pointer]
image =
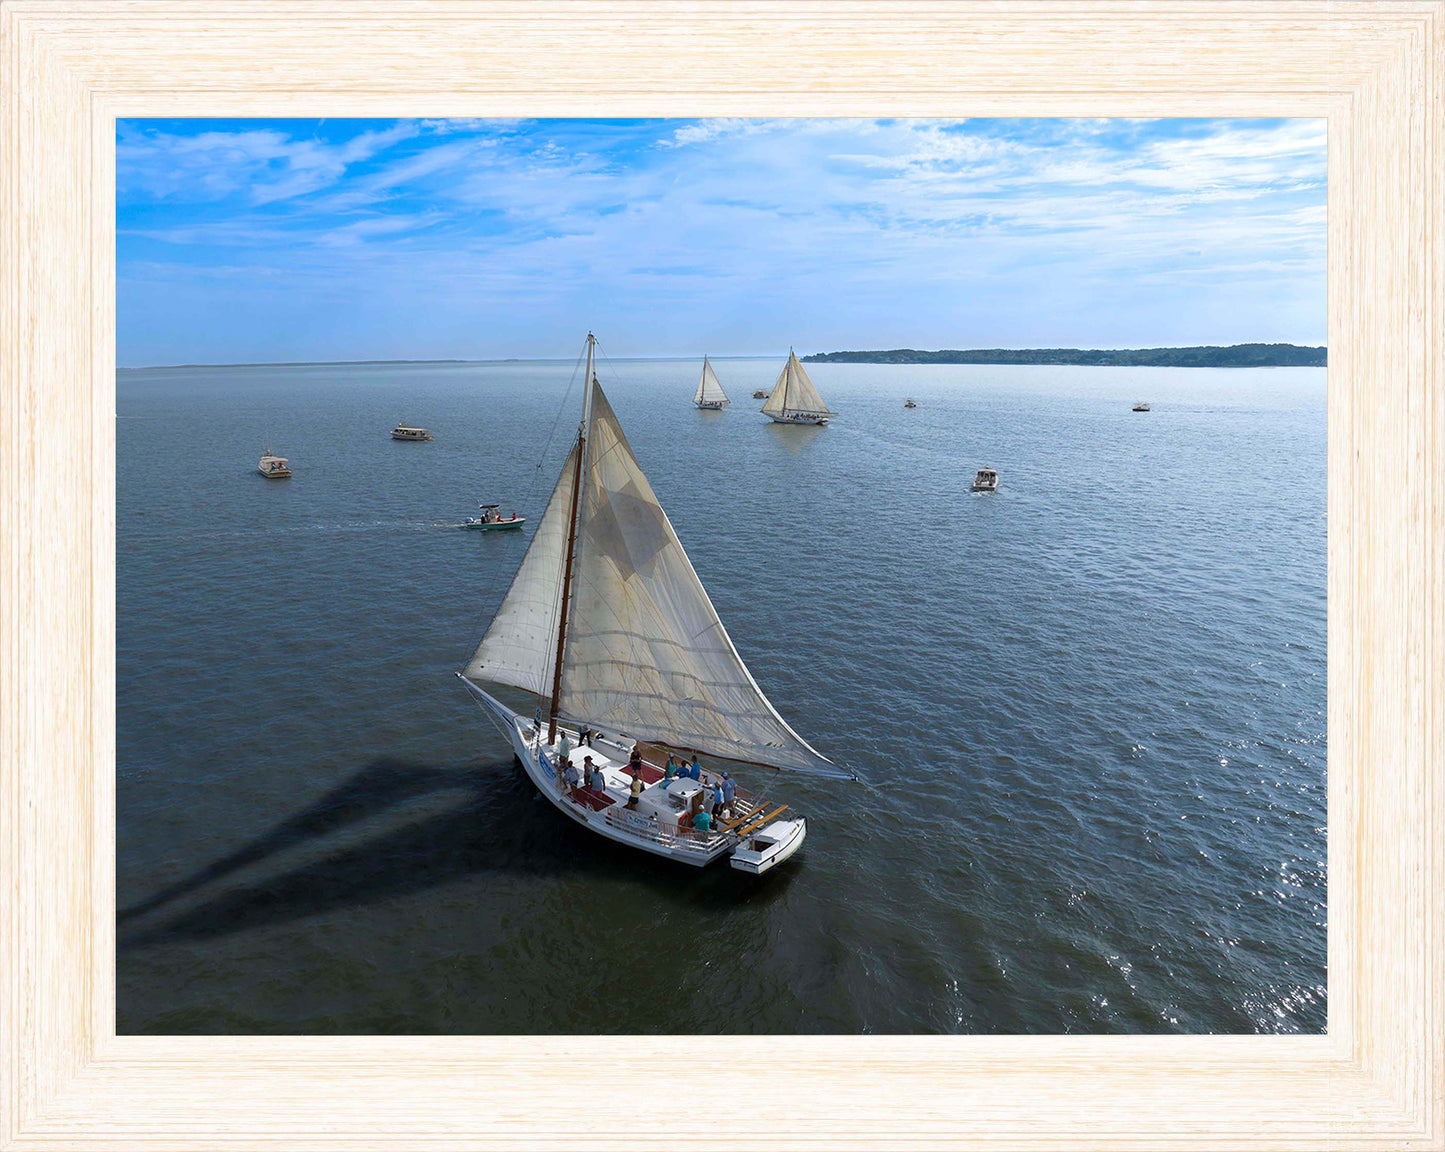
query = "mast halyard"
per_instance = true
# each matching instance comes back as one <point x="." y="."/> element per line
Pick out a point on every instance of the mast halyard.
<point x="571" y="548"/>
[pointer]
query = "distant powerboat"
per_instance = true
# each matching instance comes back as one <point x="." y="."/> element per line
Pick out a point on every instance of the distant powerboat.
<point x="985" y="480"/>
<point x="492" y="519"/>
<point x="794" y="400"/>
<point x="1142" y="406"/>
<point x="273" y="467"/>
<point x="910" y="403"/>
<point x="407" y="432"/>
<point x="760" y="394"/>
<point x="710" y="395"/>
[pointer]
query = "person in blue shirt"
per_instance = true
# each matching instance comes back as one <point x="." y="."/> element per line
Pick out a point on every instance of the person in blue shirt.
<point x="702" y="821"/>
<point x="670" y="770"/>
<point x="730" y="788"/>
<point x="696" y="772"/>
<point x="571" y="775"/>
<point x="717" y="799"/>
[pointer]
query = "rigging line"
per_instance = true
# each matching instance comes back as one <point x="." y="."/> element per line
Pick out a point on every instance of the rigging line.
<point x="556" y="421"/>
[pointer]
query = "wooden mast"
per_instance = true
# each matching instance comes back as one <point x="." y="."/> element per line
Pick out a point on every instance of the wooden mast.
<point x="571" y="547"/>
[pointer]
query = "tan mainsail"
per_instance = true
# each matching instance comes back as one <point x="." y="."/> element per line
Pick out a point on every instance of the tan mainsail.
<point x="644" y="652"/>
<point x="709" y="390"/>
<point x="519" y="645"/>
<point x="794" y="393"/>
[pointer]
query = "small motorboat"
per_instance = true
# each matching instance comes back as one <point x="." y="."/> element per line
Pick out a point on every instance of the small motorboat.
<point x="761" y="394"/>
<point x="910" y="403"/>
<point x="408" y="432"/>
<point x="985" y="480"/>
<point x="492" y="519"/>
<point x="1142" y="406"/>
<point x="274" y="467"/>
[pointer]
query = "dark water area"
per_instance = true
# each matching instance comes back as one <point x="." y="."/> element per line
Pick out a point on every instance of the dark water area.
<point x="1088" y="711"/>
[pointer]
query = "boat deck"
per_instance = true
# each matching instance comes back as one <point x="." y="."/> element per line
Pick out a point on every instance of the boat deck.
<point x="750" y="812"/>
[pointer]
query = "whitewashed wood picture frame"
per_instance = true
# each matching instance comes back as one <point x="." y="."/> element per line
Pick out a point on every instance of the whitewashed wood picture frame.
<point x="71" y="67"/>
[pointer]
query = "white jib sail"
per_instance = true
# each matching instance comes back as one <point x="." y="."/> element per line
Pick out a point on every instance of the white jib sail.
<point x="794" y="393"/>
<point x="646" y="654"/>
<point x="709" y="391"/>
<point x="520" y="647"/>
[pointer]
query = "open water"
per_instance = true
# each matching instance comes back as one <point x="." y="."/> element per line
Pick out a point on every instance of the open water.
<point x="1088" y="711"/>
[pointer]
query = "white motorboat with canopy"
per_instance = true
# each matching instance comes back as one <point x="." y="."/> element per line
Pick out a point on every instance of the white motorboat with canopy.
<point x="607" y="622"/>
<point x="793" y="399"/>
<point x="710" y="394"/>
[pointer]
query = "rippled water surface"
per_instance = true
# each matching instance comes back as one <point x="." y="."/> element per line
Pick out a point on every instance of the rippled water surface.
<point x="1088" y="710"/>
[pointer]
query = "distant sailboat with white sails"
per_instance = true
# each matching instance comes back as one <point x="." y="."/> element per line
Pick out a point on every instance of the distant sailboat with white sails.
<point x="607" y="624"/>
<point x="710" y="395"/>
<point x="794" y="400"/>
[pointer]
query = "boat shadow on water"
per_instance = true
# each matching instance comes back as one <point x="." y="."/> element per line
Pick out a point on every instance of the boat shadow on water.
<point x="493" y="822"/>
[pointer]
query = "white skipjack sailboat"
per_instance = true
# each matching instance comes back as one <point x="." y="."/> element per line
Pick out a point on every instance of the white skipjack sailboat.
<point x="607" y="620"/>
<point x="710" y="394"/>
<point x="794" y="400"/>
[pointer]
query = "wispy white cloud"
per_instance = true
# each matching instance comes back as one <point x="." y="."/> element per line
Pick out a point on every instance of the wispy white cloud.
<point x="749" y="232"/>
<point x="266" y="164"/>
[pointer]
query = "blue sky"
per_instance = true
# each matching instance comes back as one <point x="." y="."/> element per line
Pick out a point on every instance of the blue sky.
<point x="267" y="240"/>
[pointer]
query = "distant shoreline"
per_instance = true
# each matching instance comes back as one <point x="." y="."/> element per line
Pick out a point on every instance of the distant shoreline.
<point x="1199" y="356"/>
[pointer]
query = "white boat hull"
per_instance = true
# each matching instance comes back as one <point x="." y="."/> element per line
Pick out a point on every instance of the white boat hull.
<point x="625" y="826"/>
<point x="797" y="419"/>
<point x="765" y="850"/>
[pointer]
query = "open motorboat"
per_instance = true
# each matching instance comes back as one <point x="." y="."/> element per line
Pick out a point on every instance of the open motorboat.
<point x="492" y="519"/>
<point x="410" y="432"/>
<point x="794" y="400"/>
<point x="710" y="395"/>
<point x="761" y="394"/>
<point x="910" y="403"/>
<point x="607" y="625"/>
<point x="274" y="467"/>
<point x="1141" y="406"/>
<point x="985" y="480"/>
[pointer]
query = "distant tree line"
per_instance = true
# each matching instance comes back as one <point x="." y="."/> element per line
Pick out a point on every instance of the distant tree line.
<point x="1204" y="356"/>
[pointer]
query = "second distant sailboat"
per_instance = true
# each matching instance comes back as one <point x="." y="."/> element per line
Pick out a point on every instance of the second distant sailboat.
<point x="710" y="395"/>
<point x="794" y="400"/>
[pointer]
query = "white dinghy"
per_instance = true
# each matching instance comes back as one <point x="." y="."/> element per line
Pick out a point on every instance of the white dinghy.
<point x="793" y="399"/>
<point x="607" y="621"/>
<point x="710" y="395"/>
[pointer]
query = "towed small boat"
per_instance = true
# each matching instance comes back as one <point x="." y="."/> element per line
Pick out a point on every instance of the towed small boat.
<point x="492" y="519"/>
<point x="1141" y="406"/>
<point x="910" y="403"/>
<point x="409" y="432"/>
<point x="607" y="625"/>
<point x="985" y="480"/>
<point x="710" y="395"/>
<point x="274" y="467"/>
<point x="794" y="400"/>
